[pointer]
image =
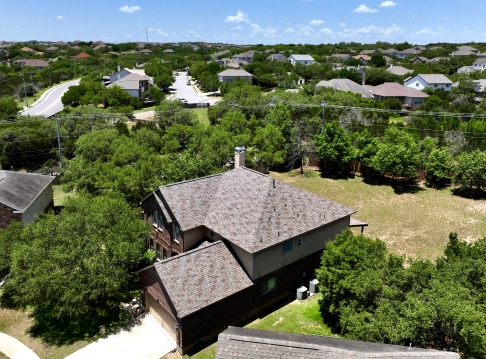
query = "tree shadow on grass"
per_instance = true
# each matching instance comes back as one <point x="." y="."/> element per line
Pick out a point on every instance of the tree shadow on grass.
<point x="66" y="331"/>
<point x="471" y="193"/>
<point x="400" y="186"/>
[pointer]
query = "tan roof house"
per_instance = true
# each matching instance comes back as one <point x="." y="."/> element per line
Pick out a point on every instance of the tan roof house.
<point x="410" y="97"/>
<point x="231" y="75"/>
<point x="433" y="81"/>
<point x="40" y="64"/>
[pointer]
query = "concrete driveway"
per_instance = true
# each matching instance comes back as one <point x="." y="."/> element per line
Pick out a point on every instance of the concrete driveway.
<point x="145" y="341"/>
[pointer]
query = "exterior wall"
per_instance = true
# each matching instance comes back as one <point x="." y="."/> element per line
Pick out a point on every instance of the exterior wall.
<point x="7" y="214"/>
<point x="419" y="84"/>
<point x="42" y="203"/>
<point x="272" y="259"/>
<point x="208" y="322"/>
<point x="246" y="259"/>
<point x="118" y="75"/>
<point x="192" y="236"/>
<point x="225" y="79"/>
<point x="133" y="93"/>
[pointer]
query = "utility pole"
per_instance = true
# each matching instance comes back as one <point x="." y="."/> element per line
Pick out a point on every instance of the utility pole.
<point x="323" y="104"/>
<point x="32" y="83"/>
<point x="59" y="142"/>
<point x="25" y="90"/>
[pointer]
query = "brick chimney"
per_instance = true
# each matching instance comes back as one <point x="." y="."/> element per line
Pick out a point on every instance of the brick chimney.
<point x="239" y="157"/>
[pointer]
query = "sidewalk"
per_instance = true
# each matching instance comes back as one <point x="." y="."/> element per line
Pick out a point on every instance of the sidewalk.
<point x="14" y="349"/>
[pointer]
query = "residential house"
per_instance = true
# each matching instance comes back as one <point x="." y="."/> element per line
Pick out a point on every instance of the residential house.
<point x="301" y="59"/>
<point x="363" y="58"/>
<point x="390" y="52"/>
<point x="277" y="57"/>
<point x="4" y="52"/>
<point x="346" y="85"/>
<point x="245" y="343"/>
<point x="480" y="64"/>
<point x="231" y="245"/>
<point x="467" y="70"/>
<point x="408" y="96"/>
<point x="369" y="52"/>
<point x="398" y="70"/>
<point x="60" y="43"/>
<point x="464" y="51"/>
<point x="419" y="59"/>
<point x="408" y="52"/>
<point x="52" y="48"/>
<point x="28" y="49"/>
<point x="217" y="55"/>
<point x="360" y="69"/>
<point x="23" y="196"/>
<point x="437" y="59"/>
<point x="169" y="51"/>
<point x="40" y="64"/>
<point x="480" y="89"/>
<point x="434" y="81"/>
<point x="82" y="55"/>
<point x="134" y="81"/>
<point x="231" y="75"/>
<point x="245" y="56"/>
<point x="131" y="52"/>
<point x="342" y="57"/>
<point x="146" y="51"/>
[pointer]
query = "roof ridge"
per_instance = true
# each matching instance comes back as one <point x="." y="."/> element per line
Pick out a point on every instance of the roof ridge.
<point x="185" y="254"/>
<point x="192" y="180"/>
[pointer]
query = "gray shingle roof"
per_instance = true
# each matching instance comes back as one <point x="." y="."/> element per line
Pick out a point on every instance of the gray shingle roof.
<point x="248" y="208"/>
<point x="231" y="72"/>
<point x="393" y="89"/>
<point x="201" y="277"/>
<point x="18" y="189"/>
<point x="302" y="57"/>
<point x="252" y="344"/>
<point x="435" y="79"/>
<point x="346" y="85"/>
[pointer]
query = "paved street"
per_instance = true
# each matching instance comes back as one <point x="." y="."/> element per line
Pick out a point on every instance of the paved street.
<point x="50" y="102"/>
<point x="183" y="90"/>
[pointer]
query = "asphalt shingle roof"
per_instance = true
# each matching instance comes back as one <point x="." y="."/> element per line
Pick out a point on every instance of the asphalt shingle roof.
<point x="435" y="79"/>
<point x="302" y="57"/>
<point x="346" y="85"/>
<point x="244" y="343"/>
<point x="231" y="72"/>
<point x="201" y="277"/>
<point x="18" y="189"/>
<point x="248" y="208"/>
<point x="393" y="89"/>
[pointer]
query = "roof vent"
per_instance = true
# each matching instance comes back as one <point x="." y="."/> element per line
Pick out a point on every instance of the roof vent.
<point x="274" y="184"/>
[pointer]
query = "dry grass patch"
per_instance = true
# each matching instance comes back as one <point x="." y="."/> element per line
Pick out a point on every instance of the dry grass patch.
<point x="3" y="356"/>
<point x="414" y="224"/>
<point x="17" y="323"/>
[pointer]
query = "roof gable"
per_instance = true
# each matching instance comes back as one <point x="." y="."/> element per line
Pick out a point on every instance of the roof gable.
<point x="18" y="189"/>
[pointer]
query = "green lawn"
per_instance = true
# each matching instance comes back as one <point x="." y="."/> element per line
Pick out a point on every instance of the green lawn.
<point x="60" y="195"/>
<point x="301" y="317"/>
<point x="202" y="115"/>
<point x="413" y="224"/>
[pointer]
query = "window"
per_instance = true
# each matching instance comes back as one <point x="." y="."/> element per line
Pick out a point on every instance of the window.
<point x="269" y="285"/>
<point x="161" y="222"/>
<point x="176" y="233"/>
<point x="164" y="253"/>
<point x="154" y="218"/>
<point x="416" y="84"/>
<point x="287" y="245"/>
<point x="435" y="85"/>
<point x="299" y="240"/>
<point x="157" y="250"/>
<point x="151" y="244"/>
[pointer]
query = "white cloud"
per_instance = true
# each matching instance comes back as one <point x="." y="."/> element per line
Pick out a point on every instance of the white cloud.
<point x="129" y="9"/>
<point x="239" y="17"/>
<point x="325" y="31"/>
<point x="388" y="4"/>
<point x="60" y="17"/>
<point x="342" y="24"/>
<point x="289" y="30"/>
<point x="236" y="28"/>
<point x="158" y="31"/>
<point x="366" y="31"/>
<point x="364" y="9"/>
<point x="316" y="22"/>
<point x="193" y="35"/>
<point x="139" y="24"/>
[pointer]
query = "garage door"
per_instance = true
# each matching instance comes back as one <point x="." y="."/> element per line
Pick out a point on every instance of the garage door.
<point x="161" y="316"/>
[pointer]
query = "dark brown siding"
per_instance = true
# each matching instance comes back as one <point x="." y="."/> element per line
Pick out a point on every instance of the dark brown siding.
<point x="7" y="215"/>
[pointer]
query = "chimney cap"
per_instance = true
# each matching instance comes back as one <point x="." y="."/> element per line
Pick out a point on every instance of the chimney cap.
<point x="239" y="149"/>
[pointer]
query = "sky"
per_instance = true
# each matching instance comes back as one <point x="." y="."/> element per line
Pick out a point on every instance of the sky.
<point x="245" y="22"/>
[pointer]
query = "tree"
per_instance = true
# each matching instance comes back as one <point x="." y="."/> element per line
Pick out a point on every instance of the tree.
<point x="398" y="155"/>
<point x="269" y="146"/>
<point x="470" y="171"/>
<point x="335" y="147"/>
<point x="10" y="237"/>
<point x="439" y="168"/>
<point x="8" y="108"/>
<point x="76" y="267"/>
<point x="378" y="60"/>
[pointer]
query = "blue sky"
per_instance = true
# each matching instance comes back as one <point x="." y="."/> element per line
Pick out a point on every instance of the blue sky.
<point x="246" y="22"/>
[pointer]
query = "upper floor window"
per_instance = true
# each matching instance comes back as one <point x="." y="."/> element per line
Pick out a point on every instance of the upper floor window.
<point x="161" y="221"/>
<point x="154" y="218"/>
<point x="176" y="233"/>
<point x="287" y="245"/>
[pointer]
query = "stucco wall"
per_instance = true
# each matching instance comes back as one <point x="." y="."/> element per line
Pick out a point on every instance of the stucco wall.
<point x="40" y="204"/>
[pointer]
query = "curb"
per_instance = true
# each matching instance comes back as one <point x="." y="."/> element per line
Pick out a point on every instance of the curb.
<point x="46" y="93"/>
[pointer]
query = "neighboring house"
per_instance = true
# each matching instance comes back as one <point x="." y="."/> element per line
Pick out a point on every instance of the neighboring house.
<point x="467" y="70"/>
<point x="277" y="57"/>
<point x="480" y="64"/>
<point x="231" y="75"/>
<point x="364" y="58"/>
<point x="408" y="52"/>
<point x="301" y="59"/>
<point x="40" y="64"/>
<point x="434" y="81"/>
<point x="346" y="85"/>
<point x="131" y="52"/>
<point x="408" y="96"/>
<point x="399" y="70"/>
<point x="467" y="48"/>
<point x="231" y="62"/>
<point x="437" y="59"/>
<point x="169" y="51"/>
<point x="52" y="48"/>
<point x="216" y="55"/>
<point x="234" y="244"/>
<point x="360" y="69"/>
<point x="245" y="343"/>
<point x="390" y="52"/>
<point x="369" y="52"/>
<point x="23" y="196"/>
<point x="419" y="59"/>
<point x="463" y="53"/>
<point x="146" y="51"/>
<point x="245" y="56"/>
<point x="480" y="89"/>
<point x="342" y="57"/>
<point x="82" y="55"/>
<point x="28" y="49"/>
<point x="3" y="52"/>
<point x="60" y="43"/>
<point x="134" y="81"/>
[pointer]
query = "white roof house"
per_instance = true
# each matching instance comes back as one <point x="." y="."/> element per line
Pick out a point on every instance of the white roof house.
<point x="302" y="59"/>
<point x="435" y="81"/>
<point x="231" y="75"/>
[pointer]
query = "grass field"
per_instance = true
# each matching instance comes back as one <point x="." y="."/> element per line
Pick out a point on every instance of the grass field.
<point x="16" y="324"/>
<point x="414" y="224"/>
<point x="202" y="115"/>
<point x="59" y="195"/>
<point x="3" y="356"/>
